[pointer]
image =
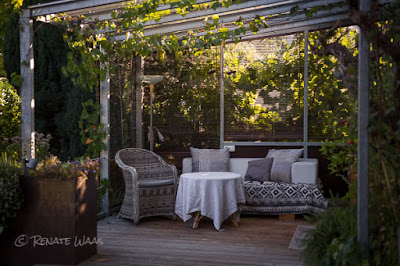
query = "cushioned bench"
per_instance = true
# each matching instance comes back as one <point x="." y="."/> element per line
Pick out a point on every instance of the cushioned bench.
<point x="300" y="196"/>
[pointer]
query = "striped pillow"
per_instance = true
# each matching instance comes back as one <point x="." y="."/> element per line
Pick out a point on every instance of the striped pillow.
<point x="281" y="170"/>
<point x="210" y="160"/>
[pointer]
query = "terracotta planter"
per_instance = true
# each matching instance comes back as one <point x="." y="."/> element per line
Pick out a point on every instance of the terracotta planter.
<point x="56" y="225"/>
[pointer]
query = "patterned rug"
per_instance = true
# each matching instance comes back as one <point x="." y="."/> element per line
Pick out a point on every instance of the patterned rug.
<point x="299" y="236"/>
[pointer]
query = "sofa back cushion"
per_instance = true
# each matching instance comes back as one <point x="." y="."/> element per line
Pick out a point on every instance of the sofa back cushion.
<point x="303" y="171"/>
<point x="210" y="160"/>
<point x="281" y="170"/>
<point x="259" y="170"/>
<point x="236" y="165"/>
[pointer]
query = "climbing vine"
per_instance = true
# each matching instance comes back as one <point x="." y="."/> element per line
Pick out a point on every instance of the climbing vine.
<point x="89" y="46"/>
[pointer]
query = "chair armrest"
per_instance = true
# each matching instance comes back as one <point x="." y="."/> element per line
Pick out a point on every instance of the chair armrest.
<point x="305" y="171"/>
<point x="128" y="171"/>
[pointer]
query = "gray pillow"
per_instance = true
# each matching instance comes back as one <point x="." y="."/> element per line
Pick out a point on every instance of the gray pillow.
<point x="259" y="170"/>
<point x="281" y="170"/>
<point x="210" y="160"/>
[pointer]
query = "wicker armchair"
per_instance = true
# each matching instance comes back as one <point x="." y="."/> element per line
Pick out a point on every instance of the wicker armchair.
<point x="150" y="184"/>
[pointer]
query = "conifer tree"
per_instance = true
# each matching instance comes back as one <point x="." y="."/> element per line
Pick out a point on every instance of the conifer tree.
<point x="58" y="102"/>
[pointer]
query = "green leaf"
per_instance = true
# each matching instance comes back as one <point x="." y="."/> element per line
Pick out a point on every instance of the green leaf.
<point x="16" y="80"/>
<point x="294" y="10"/>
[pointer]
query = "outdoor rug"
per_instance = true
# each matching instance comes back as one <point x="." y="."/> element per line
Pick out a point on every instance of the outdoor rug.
<point x="299" y="236"/>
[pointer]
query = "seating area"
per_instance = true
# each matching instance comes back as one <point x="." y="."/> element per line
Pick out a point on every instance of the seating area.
<point x="268" y="196"/>
<point x="281" y="183"/>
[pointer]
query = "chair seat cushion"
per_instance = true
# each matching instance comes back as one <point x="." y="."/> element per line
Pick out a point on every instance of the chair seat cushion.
<point x="155" y="183"/>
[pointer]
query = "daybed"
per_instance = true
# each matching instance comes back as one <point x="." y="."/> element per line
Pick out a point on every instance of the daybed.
<point x="300" y="195"/>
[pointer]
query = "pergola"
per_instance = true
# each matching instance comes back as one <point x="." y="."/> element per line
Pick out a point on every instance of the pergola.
<point x="287" y="23"/>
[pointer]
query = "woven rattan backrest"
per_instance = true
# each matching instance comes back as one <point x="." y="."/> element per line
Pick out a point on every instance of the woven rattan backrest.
<point x="144" y="161"/>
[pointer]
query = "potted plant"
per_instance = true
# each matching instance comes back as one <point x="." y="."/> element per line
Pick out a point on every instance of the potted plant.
<point x="57" y="223"/>
<point x="61" y="211"/>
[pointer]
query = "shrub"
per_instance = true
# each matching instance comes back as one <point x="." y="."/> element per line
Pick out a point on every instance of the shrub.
<point x="333" y="241"/>
<point x="10" y="110"/>
<point x="10" y="191"/>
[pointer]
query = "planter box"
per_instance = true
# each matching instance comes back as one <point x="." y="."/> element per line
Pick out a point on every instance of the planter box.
<point x="57" y="223"/>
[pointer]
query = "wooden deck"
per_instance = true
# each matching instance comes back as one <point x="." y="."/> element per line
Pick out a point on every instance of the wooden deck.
<point x="259" y="240"/>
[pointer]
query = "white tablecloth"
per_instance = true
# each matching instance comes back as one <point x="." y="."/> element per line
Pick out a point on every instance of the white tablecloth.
<point x="215" y="194"/>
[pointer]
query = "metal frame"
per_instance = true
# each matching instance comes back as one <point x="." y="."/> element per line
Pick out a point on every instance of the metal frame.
<point x="139" y="63"/>
<point x="278" y="26"/>
<point x="222" y="97"/>
<point x="363" y="138"/>
<point x="273" y="143"/>
<point x="305" y="97"/>
<point x="305" y="143"/>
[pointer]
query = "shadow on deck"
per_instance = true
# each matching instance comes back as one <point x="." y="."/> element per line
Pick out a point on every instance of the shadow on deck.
<point x="259" y="240"/>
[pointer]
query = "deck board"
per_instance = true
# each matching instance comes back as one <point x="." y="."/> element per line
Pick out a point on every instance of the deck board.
<point x="259" y="240"/>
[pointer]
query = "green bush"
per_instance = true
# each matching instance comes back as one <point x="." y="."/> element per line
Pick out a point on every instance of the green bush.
<point x="10" y="110"/>
<point x="10" y="191"/>
<point x="333" y="241"/>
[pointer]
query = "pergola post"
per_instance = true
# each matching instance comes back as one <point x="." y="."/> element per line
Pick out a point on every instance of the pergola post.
<point x="139" y="69"/>
<point x="27" y="86"/>
<point x="305" y="96"/>
<point x="105" y="120"/>
<point x="363" y="140"/>
<point x="221" y="100"/>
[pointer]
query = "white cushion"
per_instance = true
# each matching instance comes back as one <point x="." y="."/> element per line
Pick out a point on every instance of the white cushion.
<point x="209" y="160"/>
<point x="305" y="171"/>
<point x="236" y="165"/>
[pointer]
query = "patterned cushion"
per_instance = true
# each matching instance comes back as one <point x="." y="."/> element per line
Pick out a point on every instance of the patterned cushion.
<point x="210" y="160"/>
<point x="259" y="170"/>
<point x="281" y="170"/>
<point x="277" y="198"/>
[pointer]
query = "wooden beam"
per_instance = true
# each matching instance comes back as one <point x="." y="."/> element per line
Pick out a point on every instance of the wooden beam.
<point x="68" y="5"/>
<point x="27" y="87"/>
<point x="276" y="23"/>
<point x="105" y="119"/>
